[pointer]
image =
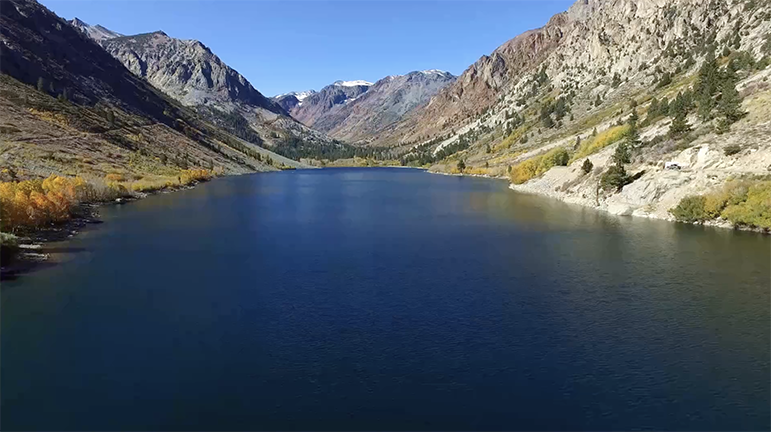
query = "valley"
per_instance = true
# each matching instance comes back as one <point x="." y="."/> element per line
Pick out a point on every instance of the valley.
<point x="385" y="215"/>
<point x="588" y="109"/>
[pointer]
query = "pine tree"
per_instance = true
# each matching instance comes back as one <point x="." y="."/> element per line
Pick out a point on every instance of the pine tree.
<point x="461" y="166"/>
<point x="633" y="118"/>
<point x="679" y="125"/>
<point x="633" y="135"/>
<point x="621" y="155"/>
<point x="614" y="178"/>
<point x="653" y="110"/>
<point x="547" y="121"/>
<point x="729" y="105"/>
<point x="616" y="80"/>
<point x="664" y="107"/>
<point x="666" y="79"/>
<point x="707" y="86"/>
<point x="587" y="166"/>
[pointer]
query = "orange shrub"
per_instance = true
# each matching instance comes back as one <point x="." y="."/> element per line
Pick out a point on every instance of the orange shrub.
<point x="33" y="203"/>
<point x="115" y="177"/>
<point x="195" y="175"/>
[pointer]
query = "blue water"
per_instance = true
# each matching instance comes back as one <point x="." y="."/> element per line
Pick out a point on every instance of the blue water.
<point x="344" y="299"/>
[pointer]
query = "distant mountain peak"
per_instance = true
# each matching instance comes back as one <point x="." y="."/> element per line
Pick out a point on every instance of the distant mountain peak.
<point x="434" y="72"/>
<point x="299" y="95"/>
<point x="288" y="101"/>
<point x="95" y="32"/>
<point x="356" y="111"/>
<point x="352" y="83"/>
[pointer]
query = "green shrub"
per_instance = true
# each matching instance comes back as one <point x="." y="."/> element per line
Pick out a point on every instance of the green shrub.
<point x="8" y="240"/>
<point x="621" y="155"/>
<point x="755" y="210"/>
<point x="587" y="166"/>
<point x="742" y="202"/>
<point x="614" y="178"/>
<point x="556" y="157"/>
<point x="690" y="209"/>
<point x="538" y="165"/>
<point x="732" y="149"/>
<point x="601" y="140"/>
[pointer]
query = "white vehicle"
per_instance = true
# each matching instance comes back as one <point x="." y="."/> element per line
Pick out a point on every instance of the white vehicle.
<point x="672" y="165"/>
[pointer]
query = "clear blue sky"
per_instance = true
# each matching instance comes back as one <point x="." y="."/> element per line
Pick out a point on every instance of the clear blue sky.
<point x="299" y="45"/>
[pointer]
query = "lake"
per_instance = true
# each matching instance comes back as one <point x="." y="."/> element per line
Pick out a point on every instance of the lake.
<point x="361" y="299"/>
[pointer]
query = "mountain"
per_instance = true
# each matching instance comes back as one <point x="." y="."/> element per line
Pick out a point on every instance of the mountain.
<point x="290" y="100"/>
<point x="356" y="111"/>
<point x="189" y="72"/>
<point x="97" y="32"/>
<point x="660" y="82"/>
<point x="385" y="103"/>
<point x="70" y="108"/>
<point x="585" y="45"/>
<point x="317" y="107"/>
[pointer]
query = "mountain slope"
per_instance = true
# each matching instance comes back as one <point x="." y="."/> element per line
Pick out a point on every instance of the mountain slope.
<point x="691" y="76"/>
<point x="97" y="32"/>
<point x="385" y="103"/>
<point x="90" y="115"/>
<point x="288" y="101"/>
<point x="318" y="109"/>
<point x="587" y="44"/>
<point x="356" y="111"/>
<point x="191" y="73"/>
<point x="482" y="83"/>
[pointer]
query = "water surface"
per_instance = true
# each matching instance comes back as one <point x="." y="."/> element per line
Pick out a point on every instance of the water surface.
<point x="365" y="299"/>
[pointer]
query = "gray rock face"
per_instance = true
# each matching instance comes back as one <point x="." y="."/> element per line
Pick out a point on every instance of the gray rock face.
<point x="317" y="107"/>
<point x="356" y="112"/>
<point x="483" y="82"/>
<point x="384" y="104"/>
<point x="187" y="71"/>
<point x="289" y="101"/>
<point x="97" y="32"/>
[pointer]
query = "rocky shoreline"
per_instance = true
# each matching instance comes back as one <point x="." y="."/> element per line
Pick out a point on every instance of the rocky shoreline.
<point x="617" y="211"/>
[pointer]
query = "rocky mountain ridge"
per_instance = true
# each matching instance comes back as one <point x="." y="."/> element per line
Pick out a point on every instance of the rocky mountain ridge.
<point x="70" y="108"/>
<point x="97" y="32"/>
<point x="564" y="94"/>
<point x="288" y="101"/>
<point x="315" y="109"/>
<point x="586" y="45"/>
<point x="356" y="111"/>
<point x="189" y="72"/>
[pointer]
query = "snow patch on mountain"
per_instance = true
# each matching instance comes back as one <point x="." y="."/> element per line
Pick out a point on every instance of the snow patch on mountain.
<point x="353" y="83"/>
<point x="435" y="72"/>
<point x="299" y="95"/>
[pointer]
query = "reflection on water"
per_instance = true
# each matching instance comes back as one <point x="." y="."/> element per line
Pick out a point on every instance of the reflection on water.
<point x="357" y="299"/>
